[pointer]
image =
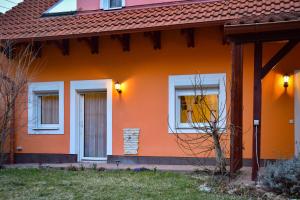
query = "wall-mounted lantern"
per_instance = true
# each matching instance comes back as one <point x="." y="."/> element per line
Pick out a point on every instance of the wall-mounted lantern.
<point x="286" y="79"/>
<point x="118" y="87"/>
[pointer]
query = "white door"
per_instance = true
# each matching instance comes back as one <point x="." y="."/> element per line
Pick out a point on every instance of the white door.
<point x="297" y="113"/>
<point x="92" y="126"/>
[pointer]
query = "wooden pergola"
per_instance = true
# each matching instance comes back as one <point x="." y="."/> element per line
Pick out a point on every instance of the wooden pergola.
<point x="258" y="33"/>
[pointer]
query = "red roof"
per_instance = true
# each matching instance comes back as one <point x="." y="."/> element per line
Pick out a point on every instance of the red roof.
<point x="25" y="22"/>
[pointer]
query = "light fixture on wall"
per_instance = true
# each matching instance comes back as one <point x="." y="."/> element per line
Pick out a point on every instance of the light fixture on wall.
<point x="118" y="87"/>
<point x="286" y="79"/>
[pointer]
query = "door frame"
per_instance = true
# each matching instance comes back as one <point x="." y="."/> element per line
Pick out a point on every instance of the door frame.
<point x="77" y="87"/>
<point x="297" y="111"/>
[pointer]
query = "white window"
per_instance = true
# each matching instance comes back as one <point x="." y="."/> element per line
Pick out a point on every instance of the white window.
<point x="62" y="6"/>
<point x="112" y="4"/>
<point x="186" y="109"/>
<point x="46" y="108"/>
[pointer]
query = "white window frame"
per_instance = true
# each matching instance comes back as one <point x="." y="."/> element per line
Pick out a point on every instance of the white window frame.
<point x="77" y="87"/>
<point x="35" y="90"/>
<point x="213" y="83"/>
<point x="104" y="4"/>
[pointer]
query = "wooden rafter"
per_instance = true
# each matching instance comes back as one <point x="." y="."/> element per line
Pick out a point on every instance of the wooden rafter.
<point x="124" y="40"/>
<point x="278" y="56"/>
<point x="63" y="45"/>
<point x="189" y="36"/>
<point x="155" y="37"/>
<point x="8" y="52"/>
<point x="93" y="43"/>
<point x="265" y="36"/>
<point x="37" y="49"/>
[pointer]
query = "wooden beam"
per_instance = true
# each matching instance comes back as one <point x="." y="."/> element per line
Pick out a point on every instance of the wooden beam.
<point x="93" y="43"/>
<point x="236" y="139"/>
<point x="37" y="49"/>
<point x="124" y="40"/>
<point x="8" y="51"/>
<point x="278" y="56"/>
<point x="65" y="47"/>
<point x="189" y="36"/>
<point x="257" y="101"/>
<point x="62" y="45"/>
<point x="266" y="36"/>
<point x="155" y="37"/>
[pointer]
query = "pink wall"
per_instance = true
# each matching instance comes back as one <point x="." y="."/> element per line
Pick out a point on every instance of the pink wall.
<point x="88" y="5"/>
<point x="95" y="4"/>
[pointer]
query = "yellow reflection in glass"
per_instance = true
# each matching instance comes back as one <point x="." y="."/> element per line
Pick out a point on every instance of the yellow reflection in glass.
<point x="198" y="109"/>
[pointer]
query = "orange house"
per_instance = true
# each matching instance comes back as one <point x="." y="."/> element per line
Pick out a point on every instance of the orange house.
<point x="115" y="75"/>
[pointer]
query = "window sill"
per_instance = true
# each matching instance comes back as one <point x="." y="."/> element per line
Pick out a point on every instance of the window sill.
<point x="46" y="131"/>
<point x="185" y="131"/>
<point x="115" y="8"/>
<point x="45" y="128"/>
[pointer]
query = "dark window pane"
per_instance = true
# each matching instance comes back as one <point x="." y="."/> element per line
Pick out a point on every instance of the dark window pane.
<point x="115" y="3"/>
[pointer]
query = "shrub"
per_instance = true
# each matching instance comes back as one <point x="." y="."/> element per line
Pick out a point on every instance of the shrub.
<point x="101" y="169"/>
<point x="71" y="168"/>
<point x="82" y="168"/>
<point x="94" y="166"/>
<point x="282" y="177"/>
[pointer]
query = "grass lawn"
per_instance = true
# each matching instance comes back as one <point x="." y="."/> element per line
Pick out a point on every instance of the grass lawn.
<point x="92" y="184"/>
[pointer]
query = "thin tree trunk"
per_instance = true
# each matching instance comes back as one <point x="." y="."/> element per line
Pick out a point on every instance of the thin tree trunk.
<point x="220" y="159"/>
<point x="12" y="136"/>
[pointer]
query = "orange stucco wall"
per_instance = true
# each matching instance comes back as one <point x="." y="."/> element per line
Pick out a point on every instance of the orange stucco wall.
<point x="144" y="101"/>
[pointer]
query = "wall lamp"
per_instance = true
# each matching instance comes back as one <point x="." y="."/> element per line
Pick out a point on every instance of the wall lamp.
<point x="286" y="79"/>
<point x="118" y="87"/>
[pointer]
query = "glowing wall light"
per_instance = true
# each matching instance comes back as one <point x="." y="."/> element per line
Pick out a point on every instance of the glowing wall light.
<point x="286" y="79"/>
<point x="118" y="87"/>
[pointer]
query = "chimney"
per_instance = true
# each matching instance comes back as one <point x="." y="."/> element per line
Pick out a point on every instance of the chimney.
<point x="83" y="5"/>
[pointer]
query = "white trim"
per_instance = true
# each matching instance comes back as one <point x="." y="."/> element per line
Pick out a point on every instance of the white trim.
<point x="44" y="87"/>
<point x="297" y="112"/>
<point x="186" y="81"/>
<point x="63" y="6"/>
<point x="82" y="86"/>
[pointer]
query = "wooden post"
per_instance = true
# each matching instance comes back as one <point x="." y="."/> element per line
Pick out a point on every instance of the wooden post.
<point x="258" y="50"/>
<point x="236" y="139"/>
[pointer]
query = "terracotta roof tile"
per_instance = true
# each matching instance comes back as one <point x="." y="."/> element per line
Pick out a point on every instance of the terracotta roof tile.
<point x="261" y="19"/>
<point x="25" y="22"/>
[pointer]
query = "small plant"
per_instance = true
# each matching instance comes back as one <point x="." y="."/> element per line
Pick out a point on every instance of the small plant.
<point x="94" y="166"/>
<point x="282" y="177"/>
<point x="82" y="168"/>
<point x="101" y="169"/>
<point x="72" y="168"/>
<point x="141" y="169"/>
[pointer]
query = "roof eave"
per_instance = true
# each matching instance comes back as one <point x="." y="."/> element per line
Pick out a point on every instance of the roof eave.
<point x="261" y="27"/>
<point x="113" y="32"/>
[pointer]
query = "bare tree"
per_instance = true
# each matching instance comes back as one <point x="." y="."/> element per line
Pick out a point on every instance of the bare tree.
<point x="210" y="117"/>
<point x="15" y="72"/>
